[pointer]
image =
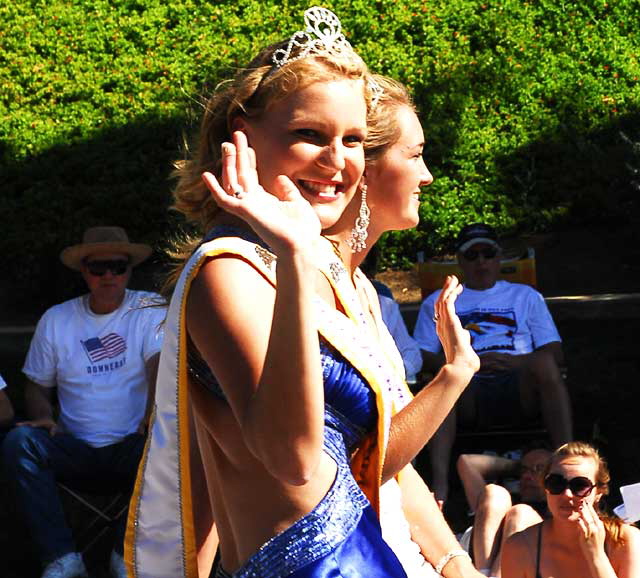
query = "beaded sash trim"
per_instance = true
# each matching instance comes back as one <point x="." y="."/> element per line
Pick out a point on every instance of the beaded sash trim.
<point x="320" y="531"/>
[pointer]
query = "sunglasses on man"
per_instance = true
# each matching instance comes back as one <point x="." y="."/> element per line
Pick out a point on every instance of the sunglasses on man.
<point x="473" y="254"/>
<point x="535" y="470"/>
<point x="99" y="268"/>
<point x="580" y="486"/>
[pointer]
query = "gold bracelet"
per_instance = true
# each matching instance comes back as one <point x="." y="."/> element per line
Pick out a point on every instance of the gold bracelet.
<point x="447" y="558"/>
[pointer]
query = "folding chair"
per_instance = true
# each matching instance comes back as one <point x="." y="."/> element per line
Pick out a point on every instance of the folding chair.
<point x="91" y="515"/>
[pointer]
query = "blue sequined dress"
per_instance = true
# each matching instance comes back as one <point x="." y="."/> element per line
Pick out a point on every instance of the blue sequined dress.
<point x="341" y="536"/>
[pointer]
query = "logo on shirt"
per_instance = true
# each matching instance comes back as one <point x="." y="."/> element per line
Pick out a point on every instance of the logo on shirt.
<point x="490" y="330"/>
<point x="107" y="347"/>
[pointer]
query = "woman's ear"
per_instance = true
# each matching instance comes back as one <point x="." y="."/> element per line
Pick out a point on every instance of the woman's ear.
<point x="240" y="123"/>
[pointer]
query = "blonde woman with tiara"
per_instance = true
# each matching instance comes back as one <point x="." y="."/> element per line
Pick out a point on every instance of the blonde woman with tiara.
<point x="284" y="387"/>
<point x="579" y="539"/>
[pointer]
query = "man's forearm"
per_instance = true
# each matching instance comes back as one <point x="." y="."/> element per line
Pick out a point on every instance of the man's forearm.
<point x="38" y="405"/>
<point x="6" y="410"/>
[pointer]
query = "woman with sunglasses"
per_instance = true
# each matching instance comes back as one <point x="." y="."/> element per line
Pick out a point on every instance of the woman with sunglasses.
<point x="579" y="539"/>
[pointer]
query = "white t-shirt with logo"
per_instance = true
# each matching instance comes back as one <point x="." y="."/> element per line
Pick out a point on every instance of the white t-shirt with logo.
<point x="508" y="318"/>
<point x="97" y="363"/>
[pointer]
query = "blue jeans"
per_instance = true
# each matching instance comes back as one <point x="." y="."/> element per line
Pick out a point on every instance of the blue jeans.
<point x="34" y="461"/>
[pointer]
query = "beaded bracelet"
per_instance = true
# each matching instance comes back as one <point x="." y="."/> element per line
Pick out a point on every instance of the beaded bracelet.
<point x="447" y="558"/>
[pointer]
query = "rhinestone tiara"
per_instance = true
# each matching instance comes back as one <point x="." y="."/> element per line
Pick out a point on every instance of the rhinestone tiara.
<point x="322" y="35"/>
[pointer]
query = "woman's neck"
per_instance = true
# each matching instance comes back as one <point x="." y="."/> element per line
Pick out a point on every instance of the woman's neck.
<point x="350" y="259"/>
<point x="564" y="532"/>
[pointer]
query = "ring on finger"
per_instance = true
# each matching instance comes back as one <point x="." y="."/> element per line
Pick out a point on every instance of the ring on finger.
<point x="435" y="317"/>
<point x="239" y="193"/>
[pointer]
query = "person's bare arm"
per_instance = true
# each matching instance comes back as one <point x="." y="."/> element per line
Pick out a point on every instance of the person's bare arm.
<point x="475" y="470"/>
<point x="429" y="529"/>
<point x="39" y="402"/>
<point x="6" y="410"/>
<point x="413" y="426"/>
<point x="265" y="352"/>
<point x="555" y="348"/>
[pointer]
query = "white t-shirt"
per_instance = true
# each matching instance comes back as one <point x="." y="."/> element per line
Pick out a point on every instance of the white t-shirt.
<point x="508" y="318"/>
<point x="97" y="363"/>
<point x="408" y="348"/>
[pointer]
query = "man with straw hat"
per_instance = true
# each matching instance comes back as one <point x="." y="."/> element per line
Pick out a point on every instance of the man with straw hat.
<point x="100" y="351"/>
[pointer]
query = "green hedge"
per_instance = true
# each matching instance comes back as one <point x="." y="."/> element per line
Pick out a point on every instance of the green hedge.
<point x="522" y="102"/>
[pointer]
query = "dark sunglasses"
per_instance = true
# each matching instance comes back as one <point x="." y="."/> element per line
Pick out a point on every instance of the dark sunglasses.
<point x="536" y="470"/>
<point x="99" y="268"/>
<point x="580" y="487"/>
<point x="473" y="254"/>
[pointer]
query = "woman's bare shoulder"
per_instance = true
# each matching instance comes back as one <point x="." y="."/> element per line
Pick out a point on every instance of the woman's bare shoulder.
<point x="518" y="556"/>
<point x="625" y="555"/>
<point x="630" y="537"/>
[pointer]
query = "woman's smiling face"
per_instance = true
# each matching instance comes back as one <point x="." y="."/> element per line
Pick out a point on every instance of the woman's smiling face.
<point x="315" y="137"/>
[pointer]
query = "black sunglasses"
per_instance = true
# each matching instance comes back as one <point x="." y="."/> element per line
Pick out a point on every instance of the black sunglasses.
<point x="536" y="470"/>
<point x="99" y="268"/>
<point x="580" y="486"/>
<point x="473" y="254"/>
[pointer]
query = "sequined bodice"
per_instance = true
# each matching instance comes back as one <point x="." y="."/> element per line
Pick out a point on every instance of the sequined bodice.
<point x="350" y="405"/>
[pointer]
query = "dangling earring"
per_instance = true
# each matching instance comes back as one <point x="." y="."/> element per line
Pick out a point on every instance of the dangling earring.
<point x="357" y="239"/>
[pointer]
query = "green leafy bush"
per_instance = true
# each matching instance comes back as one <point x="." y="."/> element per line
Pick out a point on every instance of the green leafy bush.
<point x="522" y="103"/>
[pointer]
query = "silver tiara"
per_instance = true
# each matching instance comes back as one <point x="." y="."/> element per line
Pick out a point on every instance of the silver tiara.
<point x="322" y="35"/>
<point x="376" y="92"/>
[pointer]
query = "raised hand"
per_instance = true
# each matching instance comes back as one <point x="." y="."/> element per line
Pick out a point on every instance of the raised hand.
<point x="591" y="533"/>
<point x="456" y="341"/>
<point x="282" y="218"/>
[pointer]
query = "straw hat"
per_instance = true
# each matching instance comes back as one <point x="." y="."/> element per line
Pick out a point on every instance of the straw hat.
<point x="104" y="240"/>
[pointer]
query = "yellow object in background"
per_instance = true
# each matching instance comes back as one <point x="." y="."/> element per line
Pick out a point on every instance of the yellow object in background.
<point x="520" y="268"/>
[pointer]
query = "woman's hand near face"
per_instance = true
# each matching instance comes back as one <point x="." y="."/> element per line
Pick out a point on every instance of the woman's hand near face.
<point x="590" y="530"/>
<point x="456" y="341"/>
<point x="282" y="218"/>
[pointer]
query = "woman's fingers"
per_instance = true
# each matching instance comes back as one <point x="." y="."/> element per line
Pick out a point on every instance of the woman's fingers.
<point x="285" y="190"/>
<point x="584" y="527"/>
<point x="245" y="168"/>
<point x="445" y="304"/>
<point x="229" y="172"/>
<point x="220" y="196"/>
<point x="252" y="159"/>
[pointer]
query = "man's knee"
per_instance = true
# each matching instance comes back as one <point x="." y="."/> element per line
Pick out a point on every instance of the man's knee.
<point x="519" y="517"/>
<point x="23" y="442"/>
<point x="494" y="500"/>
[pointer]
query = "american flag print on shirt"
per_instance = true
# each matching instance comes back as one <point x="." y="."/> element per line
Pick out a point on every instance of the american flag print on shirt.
<point x="107" y="347"/>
